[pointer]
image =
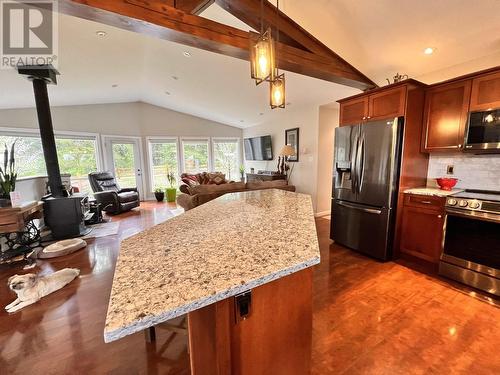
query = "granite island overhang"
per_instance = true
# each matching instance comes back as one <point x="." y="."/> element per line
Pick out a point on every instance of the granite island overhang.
<point x="233" y="244"/>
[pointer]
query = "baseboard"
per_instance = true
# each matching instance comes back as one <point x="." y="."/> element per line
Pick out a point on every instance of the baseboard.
<point x="322" y="213"/>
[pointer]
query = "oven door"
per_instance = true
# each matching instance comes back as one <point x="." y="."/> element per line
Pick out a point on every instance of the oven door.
<point x="471" y="252"/>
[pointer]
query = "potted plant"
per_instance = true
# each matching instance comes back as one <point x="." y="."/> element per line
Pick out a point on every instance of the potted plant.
<point x="159" y="194"/>
<point x="172" y="190"/>
<point x="242" y="172"/>
<point x="8" y="176"/>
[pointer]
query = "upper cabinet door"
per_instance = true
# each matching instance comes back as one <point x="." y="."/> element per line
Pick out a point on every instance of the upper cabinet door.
<point x="353" y="111"/>
<point x="445" y="116"/>
<point x="389" y="103"/>
<point x="485" y="92"/>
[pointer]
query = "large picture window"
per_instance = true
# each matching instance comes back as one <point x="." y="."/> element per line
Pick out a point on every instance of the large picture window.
<point x="76" y="154"/>
<point x="226" y="153"/>
<point x="163" y="154"/>
<point x="195" y="155"/>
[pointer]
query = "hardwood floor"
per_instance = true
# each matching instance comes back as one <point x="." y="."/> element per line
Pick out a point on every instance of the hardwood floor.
<point x="369" y="318"/>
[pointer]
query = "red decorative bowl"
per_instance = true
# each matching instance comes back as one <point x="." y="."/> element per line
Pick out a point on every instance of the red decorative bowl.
<point x="446" y="183"/>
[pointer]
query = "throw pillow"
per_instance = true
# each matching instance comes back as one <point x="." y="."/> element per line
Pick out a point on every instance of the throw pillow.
<point x="216" y="178"/>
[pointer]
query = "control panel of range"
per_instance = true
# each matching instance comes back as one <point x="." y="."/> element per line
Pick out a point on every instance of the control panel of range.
<point x="470" y="204"/>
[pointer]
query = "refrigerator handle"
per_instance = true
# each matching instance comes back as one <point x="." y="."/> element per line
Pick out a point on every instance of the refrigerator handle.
<point x="354" y="153"/>
<point x="361" y="164"/>
<point x="360" y="208"/>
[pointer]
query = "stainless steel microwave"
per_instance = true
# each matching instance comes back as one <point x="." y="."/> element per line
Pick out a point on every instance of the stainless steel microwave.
<point x="482" y="133"/>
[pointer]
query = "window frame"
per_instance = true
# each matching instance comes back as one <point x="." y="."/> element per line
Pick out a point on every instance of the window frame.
<point x="209" y="151"/>
<point x="159" y="139"/>
<point x="239" y="151"/>
<point x="33" y="132"/>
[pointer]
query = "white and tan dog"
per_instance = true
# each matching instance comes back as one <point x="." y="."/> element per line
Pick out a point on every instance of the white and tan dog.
<point x="30" y="288"/>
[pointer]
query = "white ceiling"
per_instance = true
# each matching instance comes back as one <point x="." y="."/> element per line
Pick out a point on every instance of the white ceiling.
<point x="379" y="37"/>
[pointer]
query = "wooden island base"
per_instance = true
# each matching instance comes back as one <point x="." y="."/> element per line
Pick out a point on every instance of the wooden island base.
<point x="275" y="338"/>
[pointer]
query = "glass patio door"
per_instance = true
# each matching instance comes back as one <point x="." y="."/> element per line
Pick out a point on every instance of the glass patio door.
<point x="123" y="159"/>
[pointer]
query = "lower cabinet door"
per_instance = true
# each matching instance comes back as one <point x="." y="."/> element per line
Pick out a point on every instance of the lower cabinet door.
<point x="422" y="233"/>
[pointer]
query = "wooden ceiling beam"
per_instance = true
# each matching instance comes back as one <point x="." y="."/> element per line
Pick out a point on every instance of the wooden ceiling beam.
<point x="155" y="18"/>
<point x="192" y="6"/>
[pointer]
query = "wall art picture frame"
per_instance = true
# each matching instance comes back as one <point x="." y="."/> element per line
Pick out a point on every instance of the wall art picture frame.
<point x="292" y="139"/>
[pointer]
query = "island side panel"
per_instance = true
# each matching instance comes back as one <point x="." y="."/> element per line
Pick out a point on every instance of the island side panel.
<point x="275" y="338"/>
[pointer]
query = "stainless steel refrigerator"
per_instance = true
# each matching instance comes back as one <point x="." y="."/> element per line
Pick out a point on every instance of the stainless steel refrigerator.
<point x="365" y="183"/>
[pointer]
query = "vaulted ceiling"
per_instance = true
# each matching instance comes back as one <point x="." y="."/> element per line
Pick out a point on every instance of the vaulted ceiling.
<point x="379" y="38"/>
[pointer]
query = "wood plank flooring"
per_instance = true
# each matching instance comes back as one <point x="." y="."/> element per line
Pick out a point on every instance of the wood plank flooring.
<point x="369" y="318"/>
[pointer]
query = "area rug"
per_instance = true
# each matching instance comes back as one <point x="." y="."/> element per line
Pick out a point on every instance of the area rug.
<point x="103" y="230"/>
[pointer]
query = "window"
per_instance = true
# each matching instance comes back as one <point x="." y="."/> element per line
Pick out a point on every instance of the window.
<point x="163" y="157"/>
<point x="195" y="155"/>
<point x="227" y="157"/>
<point x="76" y="154"/>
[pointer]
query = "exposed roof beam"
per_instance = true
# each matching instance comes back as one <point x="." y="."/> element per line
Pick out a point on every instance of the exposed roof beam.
<point x="155" y="18"/>
<point x="192" y="6"/>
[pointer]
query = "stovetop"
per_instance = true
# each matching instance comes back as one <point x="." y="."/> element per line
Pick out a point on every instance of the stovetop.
<point x="483" y="195"/>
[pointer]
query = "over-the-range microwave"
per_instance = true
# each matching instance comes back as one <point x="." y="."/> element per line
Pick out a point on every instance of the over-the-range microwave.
<point x="482" y="133"/>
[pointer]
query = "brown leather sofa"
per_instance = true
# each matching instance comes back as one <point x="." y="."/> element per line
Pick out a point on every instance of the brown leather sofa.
<point x="113" y="200"/>
<point x="196" y="195"/>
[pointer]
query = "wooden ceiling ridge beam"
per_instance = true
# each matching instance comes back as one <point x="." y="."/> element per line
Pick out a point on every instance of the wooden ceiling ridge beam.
<point x="156" y="18"/>
<point x="192" y="6"/>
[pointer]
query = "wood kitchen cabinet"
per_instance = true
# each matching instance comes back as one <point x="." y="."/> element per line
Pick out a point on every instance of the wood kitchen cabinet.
<point x="485" y="92"/>
<point x="445" y="116"/>
<point x="354" y="111"/>
<point x="383" y="103"/>
<point x="422" y="227"/>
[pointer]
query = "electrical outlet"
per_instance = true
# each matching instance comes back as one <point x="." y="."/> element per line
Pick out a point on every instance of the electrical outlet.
<point x="449" y="169"/>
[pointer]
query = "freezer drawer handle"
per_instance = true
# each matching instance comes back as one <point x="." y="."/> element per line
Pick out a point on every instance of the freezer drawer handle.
<point x="368" y="210"/>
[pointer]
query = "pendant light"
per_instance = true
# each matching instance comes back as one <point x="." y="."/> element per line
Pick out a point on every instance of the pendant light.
<point x="262" y="53"/>
<point x="277" y="82"/>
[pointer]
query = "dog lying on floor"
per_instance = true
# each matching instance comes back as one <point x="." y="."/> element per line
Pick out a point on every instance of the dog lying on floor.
<point x="30" y="288"/>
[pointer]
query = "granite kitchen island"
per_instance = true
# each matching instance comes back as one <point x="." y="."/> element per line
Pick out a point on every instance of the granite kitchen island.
<point x="239" y="266"/>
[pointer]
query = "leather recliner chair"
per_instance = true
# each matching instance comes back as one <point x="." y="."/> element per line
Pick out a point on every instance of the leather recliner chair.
<point x="113" y="200"/>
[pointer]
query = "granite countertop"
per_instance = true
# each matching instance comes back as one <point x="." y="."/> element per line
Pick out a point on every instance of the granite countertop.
<point x="432" y="191"/>
<point x="214" y="251"/>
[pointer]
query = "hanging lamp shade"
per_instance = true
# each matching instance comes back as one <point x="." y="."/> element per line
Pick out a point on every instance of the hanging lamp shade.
<point x="277" y="88"/>
<point x="262" y="58"/>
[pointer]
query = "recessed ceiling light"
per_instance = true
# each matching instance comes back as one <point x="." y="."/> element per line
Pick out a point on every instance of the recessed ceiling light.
<point x="101" y="34"/>
<point x="175" y="78"/>
<point x="114" y="85"/>
<point x="429" y="51"/>
<point x="261" y="114"/>
<point x="242" y="120"/>
<point x="167" y="92"/>
<point x="186" y="53"/>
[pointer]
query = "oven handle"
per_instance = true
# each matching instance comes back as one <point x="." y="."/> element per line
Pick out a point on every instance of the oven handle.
<point x="474" y="215"/>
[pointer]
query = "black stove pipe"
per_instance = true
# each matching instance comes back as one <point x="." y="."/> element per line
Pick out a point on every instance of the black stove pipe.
<point x="41" y="75"/>
<point x="47" y="136"/>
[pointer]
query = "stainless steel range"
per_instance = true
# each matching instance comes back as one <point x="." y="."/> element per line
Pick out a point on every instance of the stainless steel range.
<point x="471" y="252"/>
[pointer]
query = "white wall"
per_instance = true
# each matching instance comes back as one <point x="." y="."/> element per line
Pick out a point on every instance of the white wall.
<point x="304" y="174"/>
<point x="123" y="119"/>
<point x="328" y="121"/>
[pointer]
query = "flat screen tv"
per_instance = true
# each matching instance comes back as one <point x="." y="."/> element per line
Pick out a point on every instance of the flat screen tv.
<point x="258" y="148"/>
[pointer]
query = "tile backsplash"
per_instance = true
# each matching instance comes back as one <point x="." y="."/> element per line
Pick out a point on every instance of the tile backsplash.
<point x="473" y="171"/>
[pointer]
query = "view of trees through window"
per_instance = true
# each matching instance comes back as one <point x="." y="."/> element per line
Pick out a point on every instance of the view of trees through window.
<point x="124" y="162"/>
<point x="163" y="159"/>
<point x="226" y="158"/>
<point x="76" y="157"/>
<point x="195" y="155"/>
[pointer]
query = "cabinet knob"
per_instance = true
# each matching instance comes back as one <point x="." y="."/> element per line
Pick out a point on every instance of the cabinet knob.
<point x="369" y="117"/>
<point x="439" y="216"/>
<point x="459" y="146"/>
<point x="364" y="117"/>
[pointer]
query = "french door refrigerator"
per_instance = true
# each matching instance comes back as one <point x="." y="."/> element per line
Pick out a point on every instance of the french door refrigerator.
<point x="365" y="184"/>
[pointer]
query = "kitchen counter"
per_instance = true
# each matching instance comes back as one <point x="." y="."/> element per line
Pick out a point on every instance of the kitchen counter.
<point x="432" y="191"/>
<point x="227" y="246"/>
